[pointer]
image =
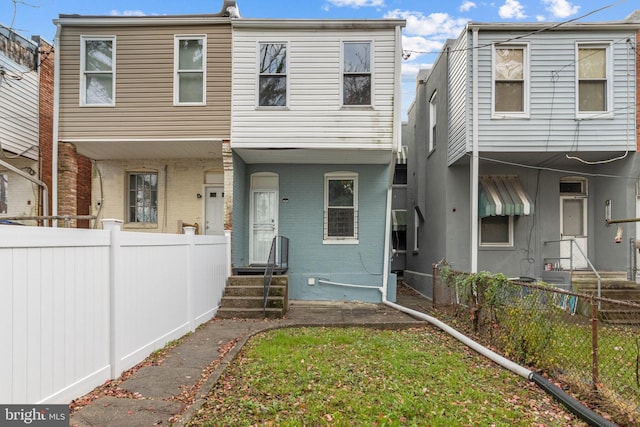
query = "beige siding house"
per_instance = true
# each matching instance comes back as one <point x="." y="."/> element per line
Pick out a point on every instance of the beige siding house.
<point x="148" y="99"/>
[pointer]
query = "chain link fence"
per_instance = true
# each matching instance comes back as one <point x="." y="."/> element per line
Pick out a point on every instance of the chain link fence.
<point x="589" y="345"/>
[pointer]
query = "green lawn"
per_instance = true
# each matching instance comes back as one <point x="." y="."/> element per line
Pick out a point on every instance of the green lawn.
<point x="360" y="376"/>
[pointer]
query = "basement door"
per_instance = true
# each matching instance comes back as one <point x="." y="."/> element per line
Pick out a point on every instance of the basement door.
<point x="573" y="223"/>
<point x="263" y="216"/>
<point x="214" y="210"/>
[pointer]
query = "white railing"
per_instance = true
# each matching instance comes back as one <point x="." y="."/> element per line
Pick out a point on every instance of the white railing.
<point x="79" y="307"/>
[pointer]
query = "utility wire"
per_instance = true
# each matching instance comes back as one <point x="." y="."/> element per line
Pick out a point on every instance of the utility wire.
<point x="407" y="52"/>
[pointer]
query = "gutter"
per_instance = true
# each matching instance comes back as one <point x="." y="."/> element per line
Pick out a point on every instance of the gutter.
<point x="397" y="143"/>
<point x="474" y="154"/>
<point x="56" y="123"/>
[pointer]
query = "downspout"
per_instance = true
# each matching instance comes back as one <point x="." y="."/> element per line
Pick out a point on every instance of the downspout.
<point x="474" y="152"/>
<point x="56" y="113"/>
<point x="397" y="95"/>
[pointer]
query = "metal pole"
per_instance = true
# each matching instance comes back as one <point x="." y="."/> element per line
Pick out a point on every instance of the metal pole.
<point x="594" y="345"/>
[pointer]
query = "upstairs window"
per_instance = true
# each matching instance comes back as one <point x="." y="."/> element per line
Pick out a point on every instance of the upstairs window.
<point x="356" y="77"/>
<point x="432" y="122"/>
<point x="272" y="86"/>
<point x="142" y="200"/>
<point x="510" y="71"/>
<point x="341" y="206"/>
<point x="98" y="65"/>
<point x="593" y="85"/>
<point x="189" y="64"/>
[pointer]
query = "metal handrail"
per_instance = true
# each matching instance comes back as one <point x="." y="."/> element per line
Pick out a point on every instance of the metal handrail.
<point x="572" y="242"/>
<point x="278" y="257"/>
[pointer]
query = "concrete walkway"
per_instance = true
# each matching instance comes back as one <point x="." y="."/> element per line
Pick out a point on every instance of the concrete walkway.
<point x="170" y="392"/>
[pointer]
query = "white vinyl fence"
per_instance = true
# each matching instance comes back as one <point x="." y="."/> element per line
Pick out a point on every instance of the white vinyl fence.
<point x="79" y="307"/>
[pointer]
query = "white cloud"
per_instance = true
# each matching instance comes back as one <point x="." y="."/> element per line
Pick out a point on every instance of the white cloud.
<point x="467" y="6"/>
<point x="512" y="9"/>
<point x="417" y="46"/>
<point x="410" y="69"/>
<point x="436" y="25"/>
<point x="561" y="8"/>
<point x="357" y="3"/>
<point x="115" y="12"/>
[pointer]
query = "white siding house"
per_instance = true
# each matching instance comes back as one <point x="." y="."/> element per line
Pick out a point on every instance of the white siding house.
<point x="539" y="150"/>
<point x="315" y="128"/>
<point x="19" y="124"/>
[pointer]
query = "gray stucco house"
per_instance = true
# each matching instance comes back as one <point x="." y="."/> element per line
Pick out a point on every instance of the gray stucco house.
<point x="522" y="142"/>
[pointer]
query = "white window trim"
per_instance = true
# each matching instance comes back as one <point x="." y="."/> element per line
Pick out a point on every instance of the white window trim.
<point x="83" y="73"/>
<point x="609" y="79"/>
<point x="176" y="61"/>
<point x="433" y="119"/>
<point x="525" y="114"/>
<point x="128" y="222"/>
<point x="499" y="244"/>
<point x="286" y="75"/>
<point x="337" y="240"/>
<point x="371" y="73"/>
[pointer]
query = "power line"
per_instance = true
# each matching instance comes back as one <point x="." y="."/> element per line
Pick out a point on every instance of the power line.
<point x="406" y="53"/>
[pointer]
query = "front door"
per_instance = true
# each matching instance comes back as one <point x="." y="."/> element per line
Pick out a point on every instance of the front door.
<point x="214" y="210"/>
<point x="264" y="216"/>
<point x="573" y="223"/>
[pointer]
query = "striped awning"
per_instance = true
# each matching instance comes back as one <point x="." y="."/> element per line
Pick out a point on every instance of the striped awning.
<point x="401" y="156"/>
<point x="503" y="195"/>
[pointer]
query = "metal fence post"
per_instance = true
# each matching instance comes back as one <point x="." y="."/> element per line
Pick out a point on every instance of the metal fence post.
<point x="594" y="345"/>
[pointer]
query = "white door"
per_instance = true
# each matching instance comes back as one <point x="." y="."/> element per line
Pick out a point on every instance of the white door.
<point x="573" y="225"/>
<point x="264" y="225"/>
<point x="264" y="216"/>
<point x="214" y="210"/>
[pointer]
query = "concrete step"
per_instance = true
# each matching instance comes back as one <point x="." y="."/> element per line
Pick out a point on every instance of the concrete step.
<point x="620" y="275"/>
<point x="256" y="281"/>
<point x="251" y="302"/>
<point x="248" y="313"/>
<point x="254" y="291"/>
<point x="243" y="298"/>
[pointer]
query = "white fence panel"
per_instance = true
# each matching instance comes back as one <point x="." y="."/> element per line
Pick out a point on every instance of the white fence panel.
<point x="78" y="307"/>
<point x="54" y="303"/>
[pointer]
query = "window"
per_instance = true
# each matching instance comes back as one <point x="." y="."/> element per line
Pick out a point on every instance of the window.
<point x="356" y="78"/>
<point x="592" y="79"/>
<point x="400" y="174"/>
<point x="510" y="72"/>
<point x="496" y="231"/>
<point x="272" y="85"/>
<point x="98" y="65"/>
<point x="189" y="63"/>
<point x="4" y="188"/>
<point x="341" y="206"/>
<point x="399" y="218"/>
<point x="143" y="197"/>
<point x="432" y="122"/>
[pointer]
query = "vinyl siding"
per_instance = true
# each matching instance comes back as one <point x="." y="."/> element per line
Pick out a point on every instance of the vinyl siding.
<point x="552" y="125"/>
<point x="459" y="122"/>
<point x="19" y="106"/>
<point x="314" y="114"/>
<point x="144" y="85"/>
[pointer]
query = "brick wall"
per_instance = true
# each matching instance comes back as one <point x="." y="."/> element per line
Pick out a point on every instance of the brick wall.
<point x="47" y="65"/>
<point x="74" y="170"/>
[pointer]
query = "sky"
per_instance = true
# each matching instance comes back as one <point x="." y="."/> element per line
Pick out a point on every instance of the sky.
<point x="429" y="22"/>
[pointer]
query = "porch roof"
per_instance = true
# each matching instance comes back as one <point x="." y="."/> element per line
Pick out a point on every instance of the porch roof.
<point x="503" y="195"/>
